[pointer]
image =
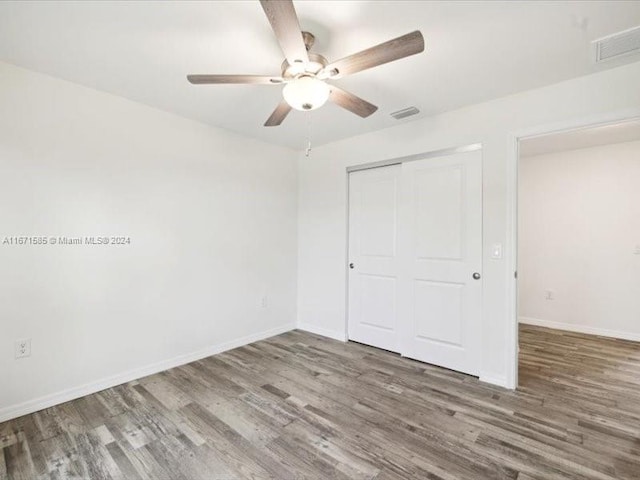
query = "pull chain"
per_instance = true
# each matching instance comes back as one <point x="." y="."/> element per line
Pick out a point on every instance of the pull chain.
<point x="307" y="151"/>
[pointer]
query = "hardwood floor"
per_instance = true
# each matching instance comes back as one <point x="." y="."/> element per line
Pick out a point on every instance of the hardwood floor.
<point x="299" y="406"/>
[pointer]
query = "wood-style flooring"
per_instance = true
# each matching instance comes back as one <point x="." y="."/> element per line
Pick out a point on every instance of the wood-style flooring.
<point x="299" y="406"/>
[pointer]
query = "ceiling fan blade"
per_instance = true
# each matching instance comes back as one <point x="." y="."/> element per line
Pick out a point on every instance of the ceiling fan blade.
<point x="278" y="115"/>
<point x="386" y="52"/>
<point x="284" y="21"/>
<point x="351" y="102"/>
<point x="229" y="79"/>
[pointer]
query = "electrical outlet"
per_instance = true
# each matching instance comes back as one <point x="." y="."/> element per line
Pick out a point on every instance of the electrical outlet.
<point x="264" y="303"/>
<point x="549" y="295"/>
<point x="23" y="348"/>
<point x="637" y="250"/>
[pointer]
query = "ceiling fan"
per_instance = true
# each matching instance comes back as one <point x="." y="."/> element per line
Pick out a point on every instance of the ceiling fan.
<point x="304" y="73"/>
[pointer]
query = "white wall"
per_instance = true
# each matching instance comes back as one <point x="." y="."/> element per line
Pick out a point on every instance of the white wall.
<point x="579" y="237"/>
<point x="323" y="195"/>
<point x="212" y="221"/>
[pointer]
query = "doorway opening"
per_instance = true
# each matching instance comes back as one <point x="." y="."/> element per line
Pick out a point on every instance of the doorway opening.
<point x="578" y="257"/>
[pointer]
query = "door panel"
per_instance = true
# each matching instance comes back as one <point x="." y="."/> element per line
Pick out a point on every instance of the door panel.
<point x="378" y="216"/>
<point x="378" y="301"/>
<point x="444" y="298"/>
<point x="439" y="197"/>
<point x="440" y="249"/>
<point x="373" y="282"/>
<point x="415" y="240"/>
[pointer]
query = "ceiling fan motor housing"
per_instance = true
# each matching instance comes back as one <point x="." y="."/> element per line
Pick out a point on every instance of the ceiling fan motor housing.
<point x="309" y="39"/>
<point x="316" y="63"/>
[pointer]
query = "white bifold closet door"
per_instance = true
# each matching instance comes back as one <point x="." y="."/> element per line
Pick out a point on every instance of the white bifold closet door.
<point x="415" y="248"/>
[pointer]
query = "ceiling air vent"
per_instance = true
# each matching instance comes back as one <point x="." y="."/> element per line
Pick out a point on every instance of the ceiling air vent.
<point x="617" y="45"/>
<point x="405" y="112"/>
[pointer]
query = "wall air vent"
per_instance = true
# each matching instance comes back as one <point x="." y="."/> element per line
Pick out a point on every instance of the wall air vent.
<point x="617" y="45"/>
<point x="405" y="112"/>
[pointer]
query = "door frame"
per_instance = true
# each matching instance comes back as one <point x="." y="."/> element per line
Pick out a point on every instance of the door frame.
<point x="385" y="163"/>
<point x="511" y="246"/>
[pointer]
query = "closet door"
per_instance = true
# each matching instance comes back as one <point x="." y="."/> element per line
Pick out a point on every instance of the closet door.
<point x="440" y="295"/>
<point x="373" y="256"/>
<point x="415" y="253"/>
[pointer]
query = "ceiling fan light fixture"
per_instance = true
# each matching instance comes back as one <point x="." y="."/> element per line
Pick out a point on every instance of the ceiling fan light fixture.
<point x="304" y="72"/>
<point x="306" y="93"/>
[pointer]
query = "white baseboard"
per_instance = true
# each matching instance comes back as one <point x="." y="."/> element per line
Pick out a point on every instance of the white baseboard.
<point x="31" y="406"/>
<point x="570" y="327"/>
<point x="341" y="336"/>
<point x="499" y="380"/>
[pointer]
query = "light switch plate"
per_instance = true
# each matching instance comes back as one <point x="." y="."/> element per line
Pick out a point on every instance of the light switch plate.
<point x="496" y="251"/>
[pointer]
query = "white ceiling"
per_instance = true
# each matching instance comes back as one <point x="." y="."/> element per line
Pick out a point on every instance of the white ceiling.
<point x="581" y="138"/>
<point x="475" y="51"/>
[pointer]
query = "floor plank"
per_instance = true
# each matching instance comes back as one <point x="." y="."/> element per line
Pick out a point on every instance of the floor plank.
<point x="299" y="406"/>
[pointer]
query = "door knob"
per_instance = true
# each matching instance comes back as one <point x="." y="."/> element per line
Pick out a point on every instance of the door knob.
<point x="351" y="265"/>
<point x="476" y="276"/>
